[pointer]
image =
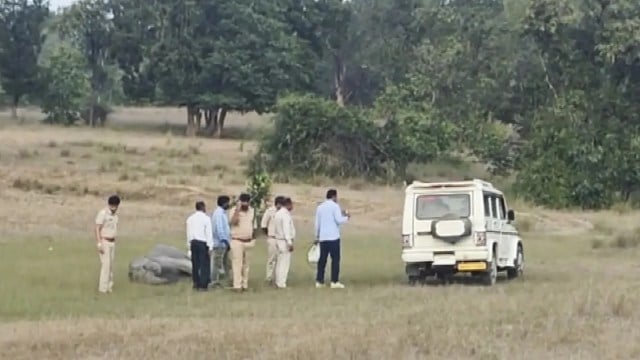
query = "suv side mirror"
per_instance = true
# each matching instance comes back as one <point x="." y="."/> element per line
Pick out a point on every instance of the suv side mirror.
<point x="511" y="215"/>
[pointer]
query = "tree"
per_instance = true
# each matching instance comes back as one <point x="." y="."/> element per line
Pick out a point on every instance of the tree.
<point x="221" y="56"/>
<point x="21" y="38"/>
<point x="135" y="30"/>
<point x="67" y="85"/>
<point x="87" y="25"/>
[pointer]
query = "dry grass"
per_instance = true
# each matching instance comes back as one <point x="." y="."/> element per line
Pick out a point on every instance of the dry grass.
<point x="577" y="300"/>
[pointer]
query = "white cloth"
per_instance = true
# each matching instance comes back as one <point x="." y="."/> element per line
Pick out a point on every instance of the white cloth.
<point x="283" y="263"/>
<point x="199" y="228"/>
<point x="284" y="228"/>
<point x="284" y="232"/>
<point x="272" y="258"/>
<point x="267" y="221"/>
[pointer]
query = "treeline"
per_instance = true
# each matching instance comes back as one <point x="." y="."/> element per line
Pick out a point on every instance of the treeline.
<point x="543" y="89"/>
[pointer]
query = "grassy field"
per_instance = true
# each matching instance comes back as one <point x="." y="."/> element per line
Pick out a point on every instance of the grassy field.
<point x="578" y="300"/>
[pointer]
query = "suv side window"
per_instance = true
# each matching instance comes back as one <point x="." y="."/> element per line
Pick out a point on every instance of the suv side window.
<point x="502" y="210"/>
<point x="487" y="205"/>
<point x="494" y="207"/>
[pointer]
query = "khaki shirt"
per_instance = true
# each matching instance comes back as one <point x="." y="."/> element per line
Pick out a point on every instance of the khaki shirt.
<point x="267" y="221"/>
<point x="109" y="223"/>
<point x="243" y="230"/>
<point x="284" y="228"/>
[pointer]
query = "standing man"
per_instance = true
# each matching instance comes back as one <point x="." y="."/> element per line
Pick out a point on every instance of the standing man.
<point x="329" y="217"/>
<point x="221" y="239"/>
<point x="285" y="232"/>
<point x="200" y="240"/>
<point x="268" y="228"/>
<point x="105" y="232"/>
<point x="241" y="241"/>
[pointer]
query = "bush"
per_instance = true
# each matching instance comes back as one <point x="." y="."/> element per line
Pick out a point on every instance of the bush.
<point x="313" y="136"/>
<point x="578" y="157"/>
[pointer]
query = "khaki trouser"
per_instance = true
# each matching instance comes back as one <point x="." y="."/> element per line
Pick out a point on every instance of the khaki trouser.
<point x="272" y="255"/>
<point x="106" y="269"/>
<point x="240" y="262"/>
<point x="282" y="263"/>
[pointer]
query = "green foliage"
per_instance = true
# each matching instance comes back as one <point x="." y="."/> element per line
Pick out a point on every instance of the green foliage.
<point x="547" y="89"/>
<point x="21" y="26"/>
<point x="259" y="187"/>
<point x="87" y="26"/>
<point x="67" y="85"/>
<point x="314" y="136"/>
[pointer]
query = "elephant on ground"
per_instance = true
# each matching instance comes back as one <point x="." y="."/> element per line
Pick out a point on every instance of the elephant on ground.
<point x="163" y="265"/>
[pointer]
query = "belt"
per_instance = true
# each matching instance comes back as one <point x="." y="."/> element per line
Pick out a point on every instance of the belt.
<point x="242" y="240"/>
<point x="109" y="239"/>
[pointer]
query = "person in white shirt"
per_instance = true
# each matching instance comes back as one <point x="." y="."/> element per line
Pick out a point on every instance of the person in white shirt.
<point x="200" y="241"/>
<point x="285" y="233"/>
<point x="329" y="218"/>
<point x="268" y="228"/>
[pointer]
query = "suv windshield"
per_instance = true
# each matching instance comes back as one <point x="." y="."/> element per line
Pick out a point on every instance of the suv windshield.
<point x="436" y="206"/>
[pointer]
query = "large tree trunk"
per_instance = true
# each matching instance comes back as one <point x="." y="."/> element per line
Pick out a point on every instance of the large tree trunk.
<point x="208" y="117"/>
<point x="339" y="73"/>
<point x="215" y="122"/>
<point x="92" y="109"/>
<point x="14" y="106"/>
<point x="211" y="119"/>
<point x="221" y="118"/>
<point x="198" y="116"/>
<point x="191" y="129"/>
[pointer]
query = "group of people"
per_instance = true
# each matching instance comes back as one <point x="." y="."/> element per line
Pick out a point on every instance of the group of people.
<point x="219" y="244"/>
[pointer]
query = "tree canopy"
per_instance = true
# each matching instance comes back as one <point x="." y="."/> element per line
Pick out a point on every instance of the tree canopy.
<point x="544" y="90"/>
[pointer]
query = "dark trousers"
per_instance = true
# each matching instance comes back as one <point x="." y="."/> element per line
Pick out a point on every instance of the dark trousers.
<point x="329" y="248"/>
<point x="200" y="264"/>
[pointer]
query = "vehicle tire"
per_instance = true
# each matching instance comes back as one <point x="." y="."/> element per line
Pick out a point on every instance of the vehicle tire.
<point x="413" y="280"/>
<point x="518" y="269"/>
<point x="490" y="277"/>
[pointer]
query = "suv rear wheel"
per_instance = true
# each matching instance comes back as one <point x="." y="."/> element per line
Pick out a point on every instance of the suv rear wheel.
<point x="518" y="265"/>
<point x="491" y="275"/>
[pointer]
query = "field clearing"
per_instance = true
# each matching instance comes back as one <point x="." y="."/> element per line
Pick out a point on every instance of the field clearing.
<point x="578" y="300"/>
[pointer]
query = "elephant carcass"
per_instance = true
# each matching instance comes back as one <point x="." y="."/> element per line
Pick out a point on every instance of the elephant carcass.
<point x="163" y="265"/>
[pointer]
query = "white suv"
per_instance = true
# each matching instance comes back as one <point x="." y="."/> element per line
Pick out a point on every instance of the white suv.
<point x="454" y="227"/>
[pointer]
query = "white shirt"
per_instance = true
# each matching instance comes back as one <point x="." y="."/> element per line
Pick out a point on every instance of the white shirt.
<point x="199" y="228"/>
<point x="284" y="228"/>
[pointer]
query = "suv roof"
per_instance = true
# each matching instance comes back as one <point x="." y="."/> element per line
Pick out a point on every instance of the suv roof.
<point x="476" y="183"/>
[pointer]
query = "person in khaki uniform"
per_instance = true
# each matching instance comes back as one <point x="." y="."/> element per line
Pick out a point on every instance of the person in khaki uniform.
<point x="285" y="233"/>
<point x="106" y="231"/>
<point x="268" y="227"/>
<point x="242" y="240"/>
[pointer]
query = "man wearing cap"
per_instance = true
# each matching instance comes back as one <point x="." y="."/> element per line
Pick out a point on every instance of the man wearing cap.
<point x="105" y="232"/>
<point x="242" y="240"/>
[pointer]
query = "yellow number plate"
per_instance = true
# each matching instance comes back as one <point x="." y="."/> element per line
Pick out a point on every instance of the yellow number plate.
<point x="472" y="266"/>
